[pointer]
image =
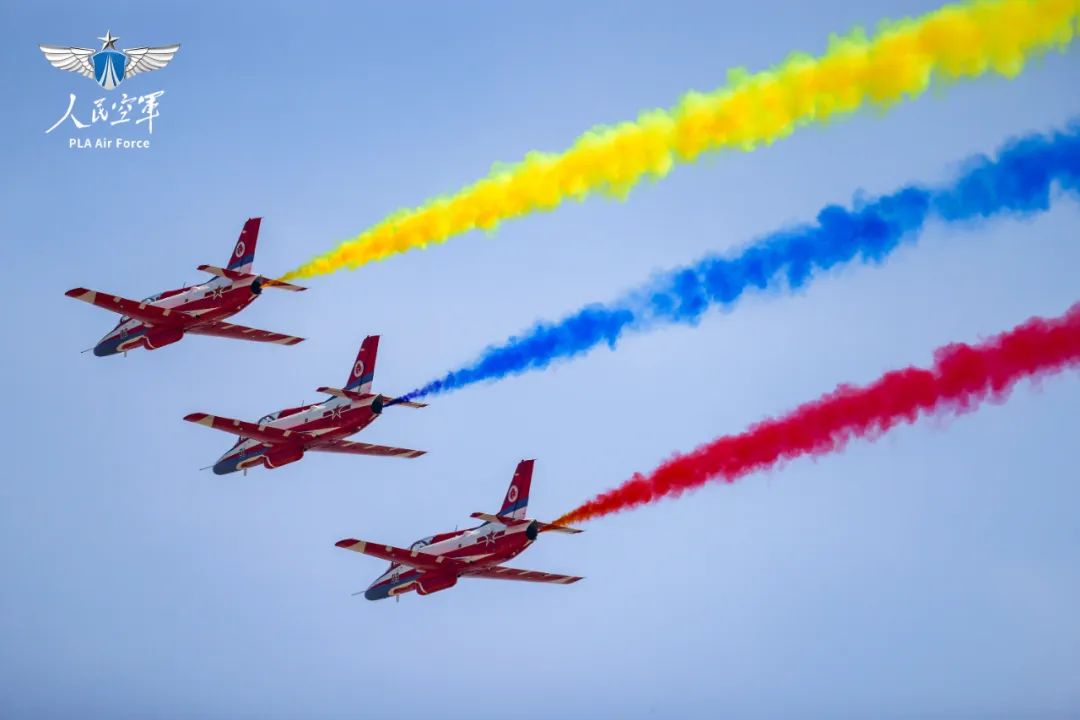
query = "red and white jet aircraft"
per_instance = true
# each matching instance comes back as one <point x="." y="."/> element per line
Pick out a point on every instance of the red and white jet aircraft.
<point x="283" y="437"/>
<point x="435" y="563"/>
<point x="165" y="318"/>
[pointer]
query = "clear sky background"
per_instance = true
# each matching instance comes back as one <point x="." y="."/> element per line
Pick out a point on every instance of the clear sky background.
<point x="932" y="573"/>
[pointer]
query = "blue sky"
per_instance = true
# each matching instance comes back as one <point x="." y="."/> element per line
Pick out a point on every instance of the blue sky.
<point x="930" y="573"/>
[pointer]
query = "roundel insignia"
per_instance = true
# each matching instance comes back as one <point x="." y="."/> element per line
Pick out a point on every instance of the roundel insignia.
<point x="513" y="494"/>
<point x="240" y="248"/>
<point x="358" y="368"/>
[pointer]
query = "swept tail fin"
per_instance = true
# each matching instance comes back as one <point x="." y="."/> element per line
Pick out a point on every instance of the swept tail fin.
<point x="243" y="254"/>
<point x="516" y="501"/>
<point x="363" y="370"/>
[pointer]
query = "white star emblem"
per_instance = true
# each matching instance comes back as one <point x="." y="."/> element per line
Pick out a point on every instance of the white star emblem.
<point x="335" y="413"/>
<point x="218" y="292"/>
<point x="109" y="41"/>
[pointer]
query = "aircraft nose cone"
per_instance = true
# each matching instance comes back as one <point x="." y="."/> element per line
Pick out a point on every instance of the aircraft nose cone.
<point x="377" y="593"/>
<point x="226" y="466"/>
<point x="104" y="349"/>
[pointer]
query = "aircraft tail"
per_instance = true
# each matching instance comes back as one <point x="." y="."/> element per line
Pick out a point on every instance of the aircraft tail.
<point x="516" y="501"/>
<point x="363" y="370"/>
<point x="243" y="255"/>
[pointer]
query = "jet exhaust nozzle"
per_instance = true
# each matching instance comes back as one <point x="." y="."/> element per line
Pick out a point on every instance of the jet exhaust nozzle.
<point x="256" y="287"/>
<point x="377" y="404"/>
<point x="533" y="531"/>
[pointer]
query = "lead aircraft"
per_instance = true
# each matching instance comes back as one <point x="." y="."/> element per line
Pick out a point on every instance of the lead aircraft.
<point x="284" y="436"/>
<point x="165" y="318"/>
<point x="435" y="563"/>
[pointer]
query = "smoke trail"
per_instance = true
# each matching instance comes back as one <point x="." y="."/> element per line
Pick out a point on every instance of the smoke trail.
<point x="958" y="41"/>
<point x="1019" y="180"/>
<point x="962" y="377"/>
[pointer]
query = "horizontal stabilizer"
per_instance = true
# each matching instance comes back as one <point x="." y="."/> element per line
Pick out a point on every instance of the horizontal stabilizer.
<point x="509" y="522"/>
<point x="403" y="403"/>
<point x="238" y="276"/>
<point x="366" y="398"/>
<point x="359" y="396"/>
<point x="502" y="519"/>
<point x="552" y="527"/>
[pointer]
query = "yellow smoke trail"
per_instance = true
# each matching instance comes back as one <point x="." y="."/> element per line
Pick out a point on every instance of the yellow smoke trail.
<point x="965" y="40"/>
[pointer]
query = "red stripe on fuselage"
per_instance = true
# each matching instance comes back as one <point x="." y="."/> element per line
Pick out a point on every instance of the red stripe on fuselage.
<point x="207" y="307"/>
<point x="350" y="422"/>
<point x="502" y="549"/>
<point x="210" y="307"/>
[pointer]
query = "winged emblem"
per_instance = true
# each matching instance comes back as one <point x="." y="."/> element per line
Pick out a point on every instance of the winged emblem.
<point x="108" y="66"/>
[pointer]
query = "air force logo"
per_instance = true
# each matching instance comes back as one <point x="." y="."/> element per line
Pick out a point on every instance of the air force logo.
<point x="109" y="66"/>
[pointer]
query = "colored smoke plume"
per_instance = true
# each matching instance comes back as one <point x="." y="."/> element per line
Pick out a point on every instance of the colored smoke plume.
<point x="961" y="378"/>
<point x="1020" y="180"/>
<point x="959" y="41"/>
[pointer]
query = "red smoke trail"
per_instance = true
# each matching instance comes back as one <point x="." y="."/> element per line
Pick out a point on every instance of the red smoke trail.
<point x="962" y="377"/>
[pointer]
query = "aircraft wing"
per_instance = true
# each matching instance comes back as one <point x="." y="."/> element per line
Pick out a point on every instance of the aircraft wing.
<point x="349" y="447"/>
<point x="239" y="332"/>
<point x="144" y="312"/>
<point x="262" y="433"/>
<point x="413" y="558"/>
<point x="501" y="572"/>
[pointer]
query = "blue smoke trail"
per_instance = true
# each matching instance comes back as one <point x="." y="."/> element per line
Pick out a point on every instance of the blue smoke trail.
<point x="1019" y="181"/>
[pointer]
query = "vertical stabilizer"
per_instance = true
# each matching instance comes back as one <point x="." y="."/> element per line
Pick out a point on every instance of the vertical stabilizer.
<point x="516" y="500"/>
<point x="243" y="255"/>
